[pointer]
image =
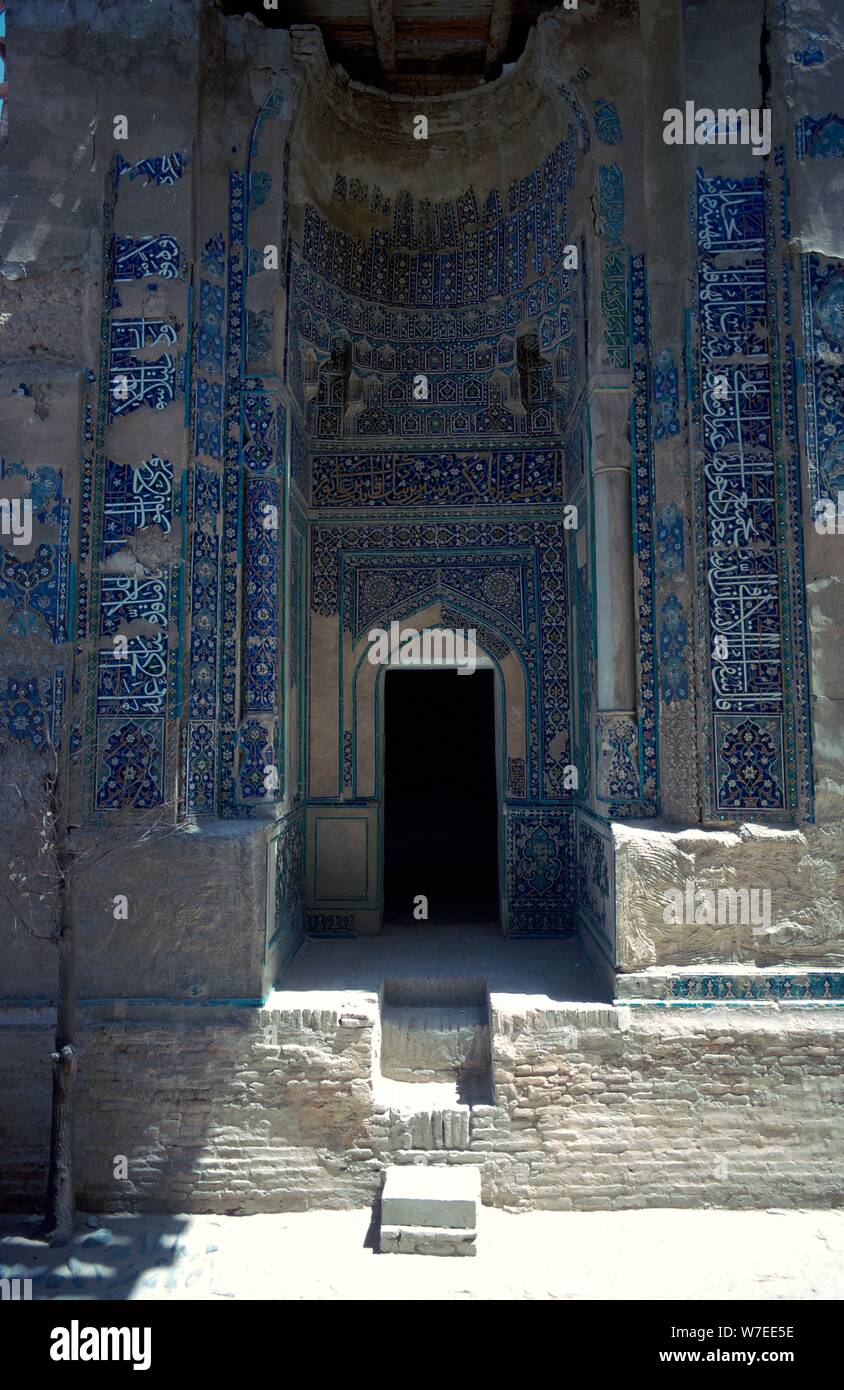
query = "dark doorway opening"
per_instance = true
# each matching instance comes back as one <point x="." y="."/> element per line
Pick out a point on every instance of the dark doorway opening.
<point x="440" y="799"/>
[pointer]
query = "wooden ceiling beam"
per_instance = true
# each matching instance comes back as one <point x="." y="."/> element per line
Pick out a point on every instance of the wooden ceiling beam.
<point x="500" y="20"/>
<point x="384" y="28"/>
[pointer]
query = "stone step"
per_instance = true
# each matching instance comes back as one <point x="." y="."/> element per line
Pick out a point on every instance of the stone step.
<point x="427" y="1240"/>
<point x="422" y="1195"/>
<point x="433" y="1040"/>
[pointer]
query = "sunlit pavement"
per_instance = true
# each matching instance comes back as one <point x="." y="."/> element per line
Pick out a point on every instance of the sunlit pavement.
<point x="539" y="1255"/>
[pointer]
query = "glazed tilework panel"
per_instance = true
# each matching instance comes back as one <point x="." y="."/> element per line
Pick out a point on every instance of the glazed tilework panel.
<point x="130" y="764"/>
<point x="509" y="576"/>
<point x="823" y="348"/>
<point x="263" y="431"/>
<point x="595" y="881"/>
<point x="490" y="255"/>
<point x="134" y="498"/>
<point x="35" y="590"/>
<point x="614" y="266"/>
<point x="454" y="406"/>
<point x="627" y="751"/>
<point x="540" y="872"/>
<point x="137" y="258"/>
<point x="296" y="645"/>
<point x="261" y="644"/>
<point x="421" y="223"/>
<point x="666" y="395"/>
<point x="136" y="382"/>
<point x="134" y="691"/>
<point x="253" y="502"/>
<point x="670" y="542"/>
<point x="258" y="780"/>
<point x="673" y="639"/>
<point x="617" y="776"/>
<point x="468" y="358"/>
<point x="744" y="504"/>
<point x="158" y="169"/>
<point x="234" y="745"/>
<point x="497" y="584"/>
<point x="205" y="551"/>
<point x="31" y="710"/>
<point x="135" y="683"/>
<point x="525" y="477"/>
<point x="820" y="137"/>
<point x="392" y="339"/>
<point x="231" y="522"/>
<point x="585" y="675"/>
<point x="816" y="986"/>
<point x="288" y="918"/>
<point x="607" y="121"/>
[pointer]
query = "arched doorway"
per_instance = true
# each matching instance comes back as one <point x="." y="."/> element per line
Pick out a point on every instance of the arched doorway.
<point x="440" y="810"/>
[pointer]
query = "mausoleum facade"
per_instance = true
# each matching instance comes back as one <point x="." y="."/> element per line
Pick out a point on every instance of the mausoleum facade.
<point x="295" y="359"/>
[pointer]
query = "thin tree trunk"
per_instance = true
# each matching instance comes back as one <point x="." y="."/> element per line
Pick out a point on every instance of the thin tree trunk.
<point x="60" y="1213"/>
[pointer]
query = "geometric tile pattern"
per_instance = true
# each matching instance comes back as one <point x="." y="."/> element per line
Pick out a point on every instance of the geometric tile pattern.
<point x="540" y="872"/>
<point x="643" y="550"/>
<point x="261" y="625"/>
<point x="823" y="357"/>
<point x="229" y="714"/>
<point x="814" y="986"/>
<point x="509" y="576"/>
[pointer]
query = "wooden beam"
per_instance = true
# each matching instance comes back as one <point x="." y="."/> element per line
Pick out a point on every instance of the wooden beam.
<point x="500" y="20"/>
<point x="384" y="28"/>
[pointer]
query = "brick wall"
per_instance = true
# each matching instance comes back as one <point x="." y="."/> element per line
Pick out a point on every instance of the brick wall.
<point x="596" y="1107"/>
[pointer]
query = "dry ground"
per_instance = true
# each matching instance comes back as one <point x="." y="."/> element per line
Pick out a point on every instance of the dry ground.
<point x="539" y="1255"/>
